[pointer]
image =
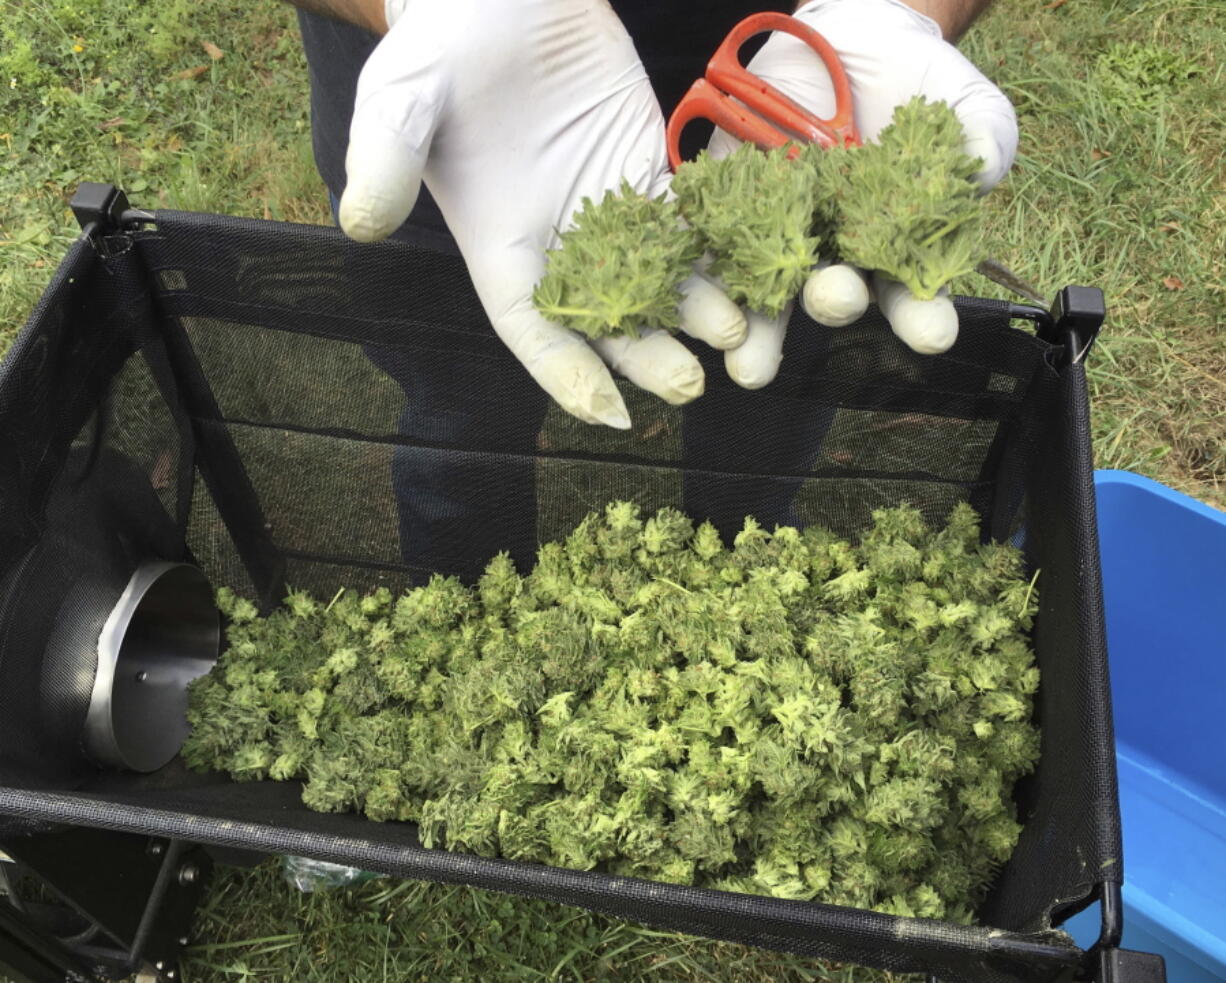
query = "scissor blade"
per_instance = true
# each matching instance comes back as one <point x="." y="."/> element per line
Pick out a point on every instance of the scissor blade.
<point x="997" y="272"/>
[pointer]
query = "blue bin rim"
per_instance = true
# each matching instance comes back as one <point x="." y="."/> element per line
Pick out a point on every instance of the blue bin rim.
<point x="1113" y="476"/>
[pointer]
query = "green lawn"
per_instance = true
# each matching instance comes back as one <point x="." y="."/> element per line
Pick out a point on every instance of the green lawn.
<point x="253" y="924"/>
<point x="1119" y="183"/>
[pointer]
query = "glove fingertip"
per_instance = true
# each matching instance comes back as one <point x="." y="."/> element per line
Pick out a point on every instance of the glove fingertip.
<point x="383" y="182"/>
<point x="618" y="420"/>
<point x="929" y="327"/>
<point x="560" y="362"/>
<point x="995" y="166"/>
<point x="604" y="406"/>
<point x="835" y="295"/>
<point x="756" y="362"/>
<point x="934" y="334"/>
<point x="750" y="377"/>
<point x="708" y="314"/>
<point x="367" y="217"/>
<point x="656" y="362"/>
<point x="989" y="124"/>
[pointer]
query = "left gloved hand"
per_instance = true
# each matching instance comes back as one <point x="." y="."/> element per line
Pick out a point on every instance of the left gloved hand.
<point x="512" y="113"/>
<point x="891" y="53"/>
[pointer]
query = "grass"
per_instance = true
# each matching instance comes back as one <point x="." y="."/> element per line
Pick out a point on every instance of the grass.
<point x="255" y="925"/>
<point x="125" y="92"/>
<point x="1119" y="183"/>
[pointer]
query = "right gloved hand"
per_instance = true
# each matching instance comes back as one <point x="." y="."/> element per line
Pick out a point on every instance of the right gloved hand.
<point x="513" y="112"/>
<point x="891" y="52"/>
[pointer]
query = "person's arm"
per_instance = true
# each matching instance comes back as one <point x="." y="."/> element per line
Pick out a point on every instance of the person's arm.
<point x="953" y="16"/>
<point x="368" y="14"/>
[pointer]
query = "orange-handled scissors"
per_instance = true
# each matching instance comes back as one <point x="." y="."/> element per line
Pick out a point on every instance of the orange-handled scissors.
<point x="775" y="119"/>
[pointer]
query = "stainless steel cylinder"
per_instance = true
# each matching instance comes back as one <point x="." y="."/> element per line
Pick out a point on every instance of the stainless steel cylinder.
<point x="163" y="633"/>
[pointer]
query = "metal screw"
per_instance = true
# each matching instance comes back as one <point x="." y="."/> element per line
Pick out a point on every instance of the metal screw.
<point x="188" y="874"/>
<point x="142" y="676"/>
<point x="159" y="965"/>
<point x="182" y="940"/>
<point x="170" y="974"/>
<point x="155" y="848"/>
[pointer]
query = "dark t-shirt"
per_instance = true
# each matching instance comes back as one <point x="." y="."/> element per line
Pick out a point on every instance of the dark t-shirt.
<point x="675" y="38"/>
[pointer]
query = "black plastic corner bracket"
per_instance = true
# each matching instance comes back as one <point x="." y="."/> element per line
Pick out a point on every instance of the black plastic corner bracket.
<point x="1076" y="318"/>
<point x="1127" y="966"/>
<point x="103" y="209"/>
<point x="98" y="207"/>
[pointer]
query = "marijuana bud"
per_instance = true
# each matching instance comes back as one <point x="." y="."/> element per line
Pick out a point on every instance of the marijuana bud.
<point x="910" y="206"/>
<point x="619" y="269"/>
<point x="755" y="212"/>
<point x="797" y="715"/>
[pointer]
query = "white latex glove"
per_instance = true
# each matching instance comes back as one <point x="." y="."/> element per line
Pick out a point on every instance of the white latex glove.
<point x="513" y="112"/>
<point x="891" y="53"/>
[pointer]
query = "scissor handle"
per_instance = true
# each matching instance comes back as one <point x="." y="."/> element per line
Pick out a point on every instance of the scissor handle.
<point x="781" y="119"/>
<point x="705" y="101"/>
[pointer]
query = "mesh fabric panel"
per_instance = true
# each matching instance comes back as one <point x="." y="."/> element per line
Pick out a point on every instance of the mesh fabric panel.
<point x="1072" y="800"/>
<point x="287" y="407"/>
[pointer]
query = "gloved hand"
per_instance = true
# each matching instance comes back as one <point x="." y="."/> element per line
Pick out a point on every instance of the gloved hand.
<point x="891" y="53"/>
<point x="513" y="112"/>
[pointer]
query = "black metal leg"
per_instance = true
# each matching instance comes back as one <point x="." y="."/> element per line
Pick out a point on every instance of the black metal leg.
<point x="30" y="955"/>
<point x="136" y="895"/>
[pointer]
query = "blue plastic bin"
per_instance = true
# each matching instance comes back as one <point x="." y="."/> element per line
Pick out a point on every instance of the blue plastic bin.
<point x="1164" y="581"/>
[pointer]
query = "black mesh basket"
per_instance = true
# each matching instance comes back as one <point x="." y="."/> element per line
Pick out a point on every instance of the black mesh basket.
<point x="257" y="398"/>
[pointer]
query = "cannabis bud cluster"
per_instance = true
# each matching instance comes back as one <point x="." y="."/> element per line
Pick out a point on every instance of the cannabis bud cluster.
<point x="910" y="205"/>
<point x="756" y="214"/>
<point x="620" y="267"/>
<point x="790" y="715"/>
<point x="906" y="205"/>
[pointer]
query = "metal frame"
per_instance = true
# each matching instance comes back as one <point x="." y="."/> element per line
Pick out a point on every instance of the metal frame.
<point x="142" y="892"/>
<point x="137" y="896"/>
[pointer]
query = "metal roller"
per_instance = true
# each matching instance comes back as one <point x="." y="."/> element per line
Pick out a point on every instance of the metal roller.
<point x="163" y="633"/>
